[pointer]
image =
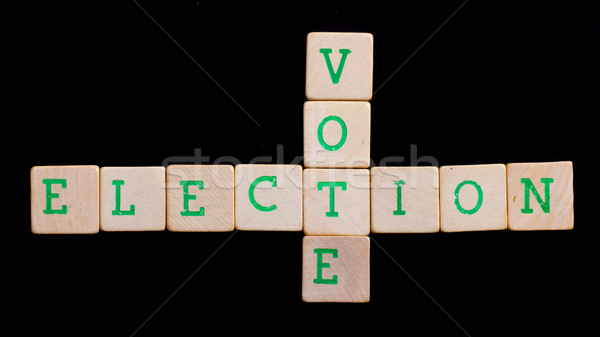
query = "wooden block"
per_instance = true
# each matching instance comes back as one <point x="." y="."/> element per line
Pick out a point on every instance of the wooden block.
<point x="268" y="197"/>
<point x="473" y="197"/>
<point x="540" y="196"/>
<point x="337" y="134"/>
<point x="64" y="199"/>
<point x="200" y="198"/>
<point x="339" y="66"/>
<point x="132" y="198"/>
<point x="405" y="200"/>
<point x="335" y="269"/>
<point x="336" y="202"/>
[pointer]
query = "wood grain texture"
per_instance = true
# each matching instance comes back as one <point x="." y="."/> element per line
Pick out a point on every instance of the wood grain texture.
<point x="418" y="190"/>
<point x="491" y="214"/>
<point x="80" y="196"/>
<point x="285" y="198"/>
<point x="210" y="206"/>
<point x="343" y="258"/>
<point x="560" y="213"/>
<point x="144" y="188"/>
<point x="355" y="78"/>
<point x="351" y="206"/>
<point x="355" y="147"/>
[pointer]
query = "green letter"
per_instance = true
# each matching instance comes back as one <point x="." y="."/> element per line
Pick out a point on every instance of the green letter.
<point x="399" y="210"/>
<point x="118" y="210"/>
<point x="479" y="197"/>
<point x="332" y="185"/>
<point x="273" y="180"/>
<point x="529" y="187"/>
<point x="335" y="76"/>
<point x="50" y="196"/>
<point x="321" y="265"/>
<point x="342" y="139"/>
<point x="187" y="197"/>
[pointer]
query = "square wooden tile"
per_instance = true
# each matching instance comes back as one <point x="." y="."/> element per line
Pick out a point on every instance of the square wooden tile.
<point x="336" y="202"/>
<point x="337" y="134"/>
<point x="200" y="198"/>
<point x="405" y="200"/>
<point x="335" y="269"/>
<point x="132" y="199"/>
<point x="540" y="196"/>
<point x="268" y="197"/>
<point x="65" y="199"/>
<point x="339" y="66"/>
<point x="473" y="197"/>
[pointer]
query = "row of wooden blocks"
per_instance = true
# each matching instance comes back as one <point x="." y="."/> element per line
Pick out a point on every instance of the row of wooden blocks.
<point x="205" y="198"/>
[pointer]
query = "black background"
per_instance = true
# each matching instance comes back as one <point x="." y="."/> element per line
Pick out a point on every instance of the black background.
<point x="100" y="83"/>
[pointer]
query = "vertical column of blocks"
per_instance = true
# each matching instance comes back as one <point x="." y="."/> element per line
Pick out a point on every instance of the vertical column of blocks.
<point x="335" y="269"/>
<point x="337" y="134"/>
<point x="64" y="199"/>
<point x="339" y="66"/>
<point x="336" y="202"/>
<point x="405" y="200"/>
<point x="268" y="197"/>
<point x="132" y="198"/>
<point x="200" y="198"/>
<point x="540" y="196"/>
<point x="473" y="198"/>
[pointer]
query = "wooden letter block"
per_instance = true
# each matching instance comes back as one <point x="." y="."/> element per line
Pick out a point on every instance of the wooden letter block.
<point x="337" y="134"/>
<point x="336" y="202"/>
<point x="200" y="198"/>
<point x="540" y="196"/>
<point x="473" y="197"/>
<point x="335" y="269"/>
<point x="405" y="200"/>
<point x="268" y="197"/>
<point x="64" y="199"/>
<point x="339" y="66"/>
<point x="132" y="198"/>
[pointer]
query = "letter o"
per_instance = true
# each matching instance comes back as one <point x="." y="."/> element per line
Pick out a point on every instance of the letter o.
<point x="342" y="139"/>
<point x="479" y="197"/>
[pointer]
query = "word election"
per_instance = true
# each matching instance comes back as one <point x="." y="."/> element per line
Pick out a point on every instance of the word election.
<point x="208" y="198"/>
<point x="336" y="200"/>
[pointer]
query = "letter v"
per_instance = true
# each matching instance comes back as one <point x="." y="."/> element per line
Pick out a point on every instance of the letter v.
<point x="335" y="76"/>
